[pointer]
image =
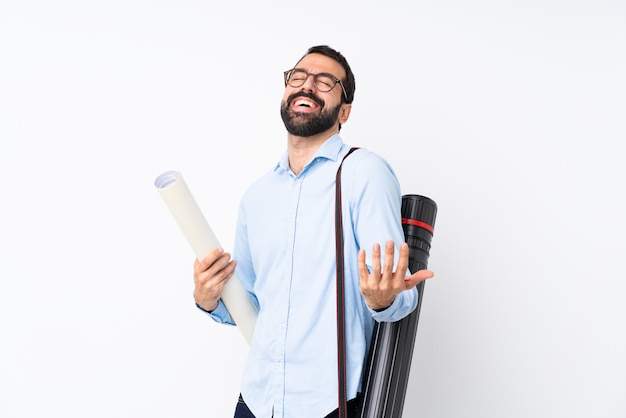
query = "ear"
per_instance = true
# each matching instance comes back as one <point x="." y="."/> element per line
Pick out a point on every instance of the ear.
<point x="344" y="113"/>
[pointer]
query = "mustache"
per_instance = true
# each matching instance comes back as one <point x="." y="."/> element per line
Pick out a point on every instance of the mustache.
<point x="311" y="96"/>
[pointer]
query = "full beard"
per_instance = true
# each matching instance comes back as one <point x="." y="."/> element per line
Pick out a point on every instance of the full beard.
<point x="307" y="124"/>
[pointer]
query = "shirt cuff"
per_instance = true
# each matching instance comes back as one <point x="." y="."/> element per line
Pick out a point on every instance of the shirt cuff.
<point x="220" y="314"/>
<point x="386" y="314"/>
<point x="403" y="304"/>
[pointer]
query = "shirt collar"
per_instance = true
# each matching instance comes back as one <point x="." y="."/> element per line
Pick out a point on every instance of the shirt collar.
<point x="329" y="150"/>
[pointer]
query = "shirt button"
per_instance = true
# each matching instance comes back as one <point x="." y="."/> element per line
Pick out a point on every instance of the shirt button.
<point x="282" y="326"/>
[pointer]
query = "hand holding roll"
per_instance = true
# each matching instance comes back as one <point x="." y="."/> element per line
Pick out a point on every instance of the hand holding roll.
<point x="210" y="275"/>
<point x="200" y="236"/>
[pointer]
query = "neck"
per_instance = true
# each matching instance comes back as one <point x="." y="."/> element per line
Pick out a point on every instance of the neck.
<point x="302" y="149"/>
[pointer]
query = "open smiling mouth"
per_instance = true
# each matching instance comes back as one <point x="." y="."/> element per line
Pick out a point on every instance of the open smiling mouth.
<point x="304" y="104"/>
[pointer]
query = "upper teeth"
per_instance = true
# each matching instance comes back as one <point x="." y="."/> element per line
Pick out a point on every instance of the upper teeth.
<point x="303" y="102"/>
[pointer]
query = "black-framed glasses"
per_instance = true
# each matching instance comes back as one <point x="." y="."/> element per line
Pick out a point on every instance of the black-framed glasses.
<point x="324" y="82"/>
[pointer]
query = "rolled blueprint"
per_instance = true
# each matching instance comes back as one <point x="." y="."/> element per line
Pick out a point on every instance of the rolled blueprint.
<point x="200" y="236"/>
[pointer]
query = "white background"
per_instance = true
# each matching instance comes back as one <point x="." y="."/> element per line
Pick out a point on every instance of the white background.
<point x="509" y="114"/>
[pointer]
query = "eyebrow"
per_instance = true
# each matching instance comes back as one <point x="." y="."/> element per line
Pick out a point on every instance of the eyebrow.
<point x="315" y="74"/>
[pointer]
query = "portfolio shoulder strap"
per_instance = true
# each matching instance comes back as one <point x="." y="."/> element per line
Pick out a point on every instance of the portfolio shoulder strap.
<point x="341" y="321"/>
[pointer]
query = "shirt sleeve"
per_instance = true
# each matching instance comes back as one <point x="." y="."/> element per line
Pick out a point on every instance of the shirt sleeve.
<point x="220" y="314"/>
<point x="376" y="202"/>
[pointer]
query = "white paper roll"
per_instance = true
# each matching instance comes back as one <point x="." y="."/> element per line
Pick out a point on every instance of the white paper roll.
<point x="189" y="217"/>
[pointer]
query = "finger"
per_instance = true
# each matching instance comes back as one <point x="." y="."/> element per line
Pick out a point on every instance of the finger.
<point x="210" y="258"/>
<point x="388" y="263"/>
<point x="418" y="277"/>
<point x="376" y="268"/>
<point x="220" y="270"/>
<point x="363" y="272"/>
<point x="403" y="261"/>
<point x="226" y="272"/>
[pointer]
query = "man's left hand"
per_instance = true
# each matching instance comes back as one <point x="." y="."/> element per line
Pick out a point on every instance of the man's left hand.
<point x="380" y="287"/>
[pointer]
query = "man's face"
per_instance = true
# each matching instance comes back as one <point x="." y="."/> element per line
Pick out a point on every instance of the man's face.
<point x="305" y="110"/>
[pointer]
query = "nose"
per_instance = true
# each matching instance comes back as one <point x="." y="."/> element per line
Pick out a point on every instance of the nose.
<point x="309" y="83"/>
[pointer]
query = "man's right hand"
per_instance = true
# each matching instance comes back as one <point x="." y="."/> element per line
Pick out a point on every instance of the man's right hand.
<point x="209" y="276"/>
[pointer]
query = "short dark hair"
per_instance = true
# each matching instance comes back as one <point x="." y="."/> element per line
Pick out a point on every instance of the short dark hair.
<point x="348" y="82"/>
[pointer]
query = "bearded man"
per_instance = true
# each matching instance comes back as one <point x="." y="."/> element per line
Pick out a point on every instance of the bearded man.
<point x="284" y="253"/>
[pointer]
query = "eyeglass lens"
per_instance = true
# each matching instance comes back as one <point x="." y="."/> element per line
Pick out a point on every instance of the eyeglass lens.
<point x="323" y="82"/>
